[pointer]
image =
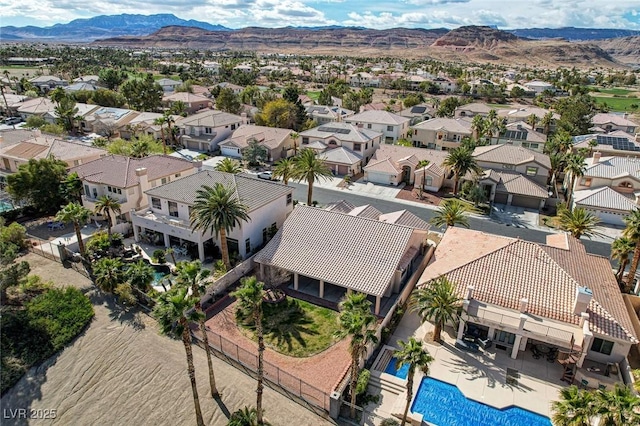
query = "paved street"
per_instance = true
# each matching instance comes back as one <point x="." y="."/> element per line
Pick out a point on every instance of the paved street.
<point x="324" y="196"/>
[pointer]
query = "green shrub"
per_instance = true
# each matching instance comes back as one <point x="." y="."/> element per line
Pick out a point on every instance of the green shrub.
<point x="390" y="422"/>
<point x="99" y="243"/>
<point x="158" y="256"/>
<point x="363" y="381"/>
<point x="13" y="233"/>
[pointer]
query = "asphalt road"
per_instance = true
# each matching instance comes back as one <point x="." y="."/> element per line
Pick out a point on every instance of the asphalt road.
<point x="324" y="196"/>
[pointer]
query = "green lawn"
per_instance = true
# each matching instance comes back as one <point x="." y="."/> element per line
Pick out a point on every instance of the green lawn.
<point x="315" y="95"/>
<point x="618" y="104"/>
<point x="613" y="91"/>
<point x="297" y="328"/>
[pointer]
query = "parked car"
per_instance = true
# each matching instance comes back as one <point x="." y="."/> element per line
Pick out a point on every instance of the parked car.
<point x="266" y="175"/>
<point x="12" y="120"/>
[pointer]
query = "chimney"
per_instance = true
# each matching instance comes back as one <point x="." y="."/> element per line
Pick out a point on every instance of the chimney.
<point x="244" y="118"/>
<point x="596" y="157"/>
<point x="470" y="292"/>
<point x="143" y="178"/>
<point x="583" y="297"/>
<point x="524" y="304"/>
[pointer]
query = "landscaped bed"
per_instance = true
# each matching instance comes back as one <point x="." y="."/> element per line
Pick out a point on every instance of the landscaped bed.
<point x="297" y="328"/>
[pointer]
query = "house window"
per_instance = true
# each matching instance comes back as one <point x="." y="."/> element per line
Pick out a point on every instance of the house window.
<point x="368" y="126"/>
<point x="532" y="171"/>
<point x="190" y="211"/>
<point x="247" y="245"/>
<point x="177" y="175"/>
<point x="173" y="209"/>
<point x="208" y="130"/>
<point x="534" y="146"/>
<point x="156" y="203"/>
<point x="264" y="235"/>
<point x="602" y="346"/>
<point x="389" y="128"/>
<point x="357" y="147"/>
<point x="305" y="141"/>
<point x="233" y="127"/>
<point x="163" y="181"/>
<point x="507" y="166"/>
<point x="525" y="144"/>
<point x="504" y="337"/>
<point x="428" y="181"/>
<point x="625" y="184"/>
<point x="95" y="193"/>
<point x="585" y="182"/>
<point x="288" y="199"/>
<point x="332" y="142"/>
<point x="366" y="145"/>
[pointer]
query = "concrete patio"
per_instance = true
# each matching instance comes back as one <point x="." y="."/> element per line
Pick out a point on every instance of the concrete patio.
<point x="479" y="376"/>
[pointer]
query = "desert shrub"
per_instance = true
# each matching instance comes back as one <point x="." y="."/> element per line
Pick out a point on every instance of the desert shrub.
<point x="158" y="256"/>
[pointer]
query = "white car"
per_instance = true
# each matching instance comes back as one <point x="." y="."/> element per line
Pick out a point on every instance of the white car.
<point x="266" y="175"/>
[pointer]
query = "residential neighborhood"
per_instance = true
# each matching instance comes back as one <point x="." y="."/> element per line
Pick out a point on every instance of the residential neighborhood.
<point x="341" y="240"/>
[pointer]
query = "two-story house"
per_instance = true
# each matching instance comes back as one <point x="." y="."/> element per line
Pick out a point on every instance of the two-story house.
<point x="418" y="113"/>
<point x="48" y="82"/>
<point x="203" y="131"/>
<point x="472" y="109"/>
<point x="278" y="142"/>
<point x="538" y="86"/>
<point x="35" y="107"/>
<point x="446" y="85"/>
<point x="616" y="144"/>
<point x="192" y="102"/>
<point x="392" y="126"/>
<point x="609" y="187"/>
<point x="168" y="85"/>
<point x="167" y="219"/>
<point x="521" y="134"/>
<point x="323" y="114"/>
<point x="345" y="147"/>
<point x="107" y="121"/>
<point x="126" y="179"/>
<point x="523" y="112"/>
<point x="609" y="122"/>
<point x="441" y="133"/>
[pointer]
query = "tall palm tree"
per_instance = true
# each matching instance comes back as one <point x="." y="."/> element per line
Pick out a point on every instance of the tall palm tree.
<point x="618" y="407"/>
<point x="575" y="407"/>
<point x="575" y="168"/>
<point x="357" y="321"/>
<point x="422" y="164"/>
<point x="192" y="274"/>
<point x="160" y="121"/>
<point x="294" y="138"/>
<point x="78" y="215"/>
<point x="532" y="120"/>
<point x="450" y="213"/>
<point x="478" y="127"/>
<point x="621" y="249"/>
<point x="310" y="168"/>
<point x="547" y="121"/>
<point x="249" y="295"/>
<point x="173" y="314"/>
<point x="108" y="273"/>
<point x="219" y="210"/>
<point x="284" y="169"/>
<point x="436" y="301"/>
<point x="632" y="232"/>
<point x="106" y="205"/>
<point x="413" y="353"/>
<point x="227" y="165"/>
<point x="140" y="275"/>
<point x="460" y="161"/>
<point x="579" y="222"/>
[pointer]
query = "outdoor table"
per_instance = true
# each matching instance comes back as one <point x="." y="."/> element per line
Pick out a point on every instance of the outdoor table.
<point x="543" y="350"/>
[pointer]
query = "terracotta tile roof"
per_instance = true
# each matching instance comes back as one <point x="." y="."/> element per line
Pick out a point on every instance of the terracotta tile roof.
<point x="384" y="165"/>
<point x="604" y="198"/>
<point x="253" y="192"/>
<point x="613" y="167"/>
<point x="377" y="117"/>
<point x="606" y="118"/>
<point x="211" y="118"/>
<point x="340" y="155"/>
<point x="455" y="125"/>
<point x="37" y="106"/>
<point x="341" y="131"/>
<point x="510" y="154"/>
<point x="364" y="253"/>
<point x="25" y="150"/>
<point x="270" y="137"/>
<point x="516" y="184"/>
<point x="406" y="218"/>
<point x="396" y="153"/>
<point x="504" y="270"/>
<point x="120" y="171"/>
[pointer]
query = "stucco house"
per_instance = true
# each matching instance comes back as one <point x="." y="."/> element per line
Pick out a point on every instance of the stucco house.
<point x="48" y="82"/>
<point x="107" y="121"/>
<point x="367" y="255"/>
<point x="513" y="189"/>
<point x="532" y="164"/>
<point x="441" y="133"/>
<point x="395" y="164"/>
<point x="35" y="107"/>
<point x="616" y="144"/>
<point x="538" y="86"/>
<point x="418" y="113"/>
<point x="278" y="142"/>
<point x="472" y="109"/>
<point x="204" y="130"/>
<point x="168" y="85"/>
<point x="323" y="114"/>
<point x="610" y="122"/>
<point x="521" y="294"/>
<point x="521" y="134"/>
<point x="126" y="179"/>
<point x="392" y="126"/>
<point x="193" y="103"/>
<point x="166" y="217"/>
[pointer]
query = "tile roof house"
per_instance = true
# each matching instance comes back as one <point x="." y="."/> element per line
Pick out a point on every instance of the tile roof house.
<point x="36" y="106"/>
<point x="441" y="133"/>
<point x="323" y="114"/>
<point x="392" y="126"/>
<point x="126" y="179"/>
<point x="522" y="293"/>
<point x="519" y="133"/>
<point x="616" y="143"/>
<point x="522" y="112"/>
<point x="533" y="164"/>
<point x="107" y="121"/>
<point x="418" y="113"/>
<point x="621" y="175"/>
<point x="166" y="219"/>
<point x="610" y="122"/>
<point x="204" y="130"/>
<point x="48" y="82"/>
<point x="278" y="142"/>
<point x="394" y="164"/>
<point x="192" y="102"/>
<point x="513" y="189"/>
<point x="360" y="254"/>
<point x="472" y="109"/>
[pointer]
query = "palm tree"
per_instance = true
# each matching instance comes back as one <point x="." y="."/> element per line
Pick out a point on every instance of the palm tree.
<point x="107" y="206"/>
<point x="478" y="127"/>
<point x="357" y="321"/>
<point x="227" y="165"/>
<point x="422" y="164"/>
<point x="140" y="275"/>
<point x="575" y="168"/>
<point x="579" y="222"/>
<point x="575" y="407"/>
<point x="310" y="168"/>
<point x="249" y="295"/>
<point x="160" y="122"/>
<point x="436" y="301"/>
<point x="78" y="215"/>
<point x="220" y="210"/>
<point x="621" y="249"/>
<point x="452" y="212"/>
<point x="244" y="417"/>
<point x="632" y="232"/>
<point x="284" y="169"/>
<point x="192" y="274"/>
<point x="173" y="314"/>
<point x="412" y="353"/>
<point x="108" y="273"/>
<point x="532" y="120"/>
<point x="547" y="121"/>
<point x="294" y="138"/>
<point x="618" y="407"/>
<point x="460" y="161"/>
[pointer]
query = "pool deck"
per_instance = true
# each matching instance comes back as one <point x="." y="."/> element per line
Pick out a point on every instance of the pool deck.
<point x="479" y="376"/>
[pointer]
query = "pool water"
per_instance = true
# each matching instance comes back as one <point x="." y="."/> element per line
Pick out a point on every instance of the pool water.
<point x="444" y="405"/>
<point x="399" y="371"/>
<point x="157" y="279"/>
<point x="6" y="206"/>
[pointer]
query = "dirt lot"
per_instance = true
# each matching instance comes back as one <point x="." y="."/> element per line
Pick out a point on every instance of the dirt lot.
<point x="120" y="371"/>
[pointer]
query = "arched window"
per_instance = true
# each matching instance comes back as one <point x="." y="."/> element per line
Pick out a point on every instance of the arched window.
<point x="625" y="184"/>
<point x="333" y="142"/>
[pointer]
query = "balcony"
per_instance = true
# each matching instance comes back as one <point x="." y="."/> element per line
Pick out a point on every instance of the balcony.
<point x="150" y="215"/>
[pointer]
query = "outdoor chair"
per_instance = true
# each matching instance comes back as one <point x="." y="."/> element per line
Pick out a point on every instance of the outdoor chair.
<point x="466" y="346"/>
<point x="536" y="352"/>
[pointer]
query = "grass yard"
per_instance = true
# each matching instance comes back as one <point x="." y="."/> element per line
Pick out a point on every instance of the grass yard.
<point x="315" y="95"/>
<point x="297" y="328"/>
<point x="619" y="104"/>
<point x="613" y="91"/>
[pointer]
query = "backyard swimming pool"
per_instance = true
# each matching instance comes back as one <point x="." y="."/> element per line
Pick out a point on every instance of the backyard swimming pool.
<point x="5" y="206"/>
<point x="399" y="371"/>
<point x="444" y="405"/>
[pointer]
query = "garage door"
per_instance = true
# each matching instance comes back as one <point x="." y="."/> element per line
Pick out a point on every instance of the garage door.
<point x="191" y="144"/>
<point x="230" y="152"/>
<point x="343" y="170"/>
<point x="610" y="218"/>
<point x="377" y="177"/>
<point x="527" y="202"/>
<point x="500" y="198"/>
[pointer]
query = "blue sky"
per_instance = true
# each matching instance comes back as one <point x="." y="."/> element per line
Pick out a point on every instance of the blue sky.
<point x="373" y="14"/>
